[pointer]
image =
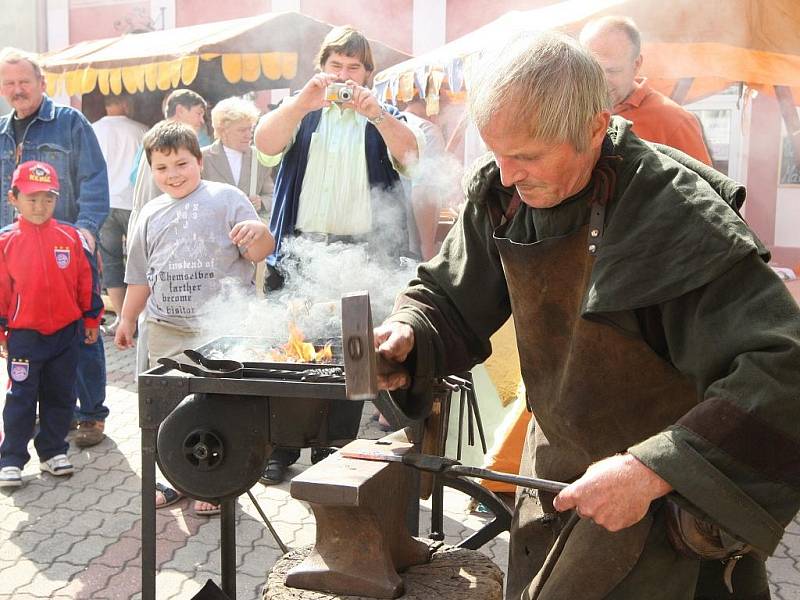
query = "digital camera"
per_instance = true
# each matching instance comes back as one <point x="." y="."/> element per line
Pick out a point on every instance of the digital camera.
<point x="338" y="92"/>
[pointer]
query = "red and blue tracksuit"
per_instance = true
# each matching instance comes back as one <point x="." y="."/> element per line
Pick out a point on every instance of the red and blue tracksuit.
<point x="49" y="291"/>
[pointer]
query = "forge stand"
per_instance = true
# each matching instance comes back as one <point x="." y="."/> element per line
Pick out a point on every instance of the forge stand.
<point x="272" y="416"/>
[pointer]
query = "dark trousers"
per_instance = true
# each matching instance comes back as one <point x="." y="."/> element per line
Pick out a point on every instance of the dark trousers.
<point x="344" y="421"/>
<point x="90" y="386"/>
<point x="43" y="368"/>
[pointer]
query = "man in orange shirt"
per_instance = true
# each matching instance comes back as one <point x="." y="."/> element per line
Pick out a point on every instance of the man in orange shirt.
<point x="616" y="44"/>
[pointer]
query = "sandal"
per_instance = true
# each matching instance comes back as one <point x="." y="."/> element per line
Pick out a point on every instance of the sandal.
<point x="170" y="495"/>
<point x="207" y="512"/>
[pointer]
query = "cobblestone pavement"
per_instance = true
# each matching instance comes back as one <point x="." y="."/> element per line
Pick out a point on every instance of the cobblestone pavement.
<point x="80" y="537"/>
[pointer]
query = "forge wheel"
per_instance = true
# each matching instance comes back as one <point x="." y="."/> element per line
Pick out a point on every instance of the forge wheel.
<point x="213" y="447"/>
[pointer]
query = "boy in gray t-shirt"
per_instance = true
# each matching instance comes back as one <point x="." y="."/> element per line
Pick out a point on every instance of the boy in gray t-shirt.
<point x="184" y="244"/>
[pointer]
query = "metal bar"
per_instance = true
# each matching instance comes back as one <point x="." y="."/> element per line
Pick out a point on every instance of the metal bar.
<point x="412" y="507"/>
<point x="471" y="397"/>
<point x="274" y="533"/>
<point x="437" y="510"/>
<point x="470" y="419"/>
<point x="228" y="546"/>
<point x="535" y="483"/>
<point x="460" y="422"/>
<point x="264" y="387"/>
<point x="149" y="514"/>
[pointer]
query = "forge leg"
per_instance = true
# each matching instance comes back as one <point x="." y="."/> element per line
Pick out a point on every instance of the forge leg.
<point x="227" y="525"/>
<point x="148" y="514"/>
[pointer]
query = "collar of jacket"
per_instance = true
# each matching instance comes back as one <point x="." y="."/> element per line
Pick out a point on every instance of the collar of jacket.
<point x="47" y="112"/>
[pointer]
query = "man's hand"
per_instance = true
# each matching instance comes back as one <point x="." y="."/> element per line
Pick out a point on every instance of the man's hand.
<point x="245" y="233"/>
<point x="312" y="96"/>
<point x="394" y="341"/>
<point x="364" y="101"/>
<point x="3" y="349"/>
<point x="615" y="492"/>
<point x="124" y="336"/>
<point x="90" y="335"/>
<point x="88" y="236"/>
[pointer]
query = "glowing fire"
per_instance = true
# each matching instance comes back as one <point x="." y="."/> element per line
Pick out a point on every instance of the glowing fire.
<point x="298" y="350"/>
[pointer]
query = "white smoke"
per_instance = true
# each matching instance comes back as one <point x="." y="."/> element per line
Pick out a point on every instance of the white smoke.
<point x="317" y="275"/>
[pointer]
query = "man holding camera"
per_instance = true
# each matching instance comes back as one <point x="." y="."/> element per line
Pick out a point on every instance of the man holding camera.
<point x="340" y="150"/>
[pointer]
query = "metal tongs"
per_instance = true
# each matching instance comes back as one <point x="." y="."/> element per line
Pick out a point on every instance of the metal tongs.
<point x="453" y="468"/>
<point x="233" y="369"/>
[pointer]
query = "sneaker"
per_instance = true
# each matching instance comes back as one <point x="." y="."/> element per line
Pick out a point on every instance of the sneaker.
<point x="90" y="433"/>
<point x="10" y="477"/>
<point x="58" y="465"/>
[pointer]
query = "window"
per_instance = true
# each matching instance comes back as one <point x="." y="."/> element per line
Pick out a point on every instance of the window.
<point x="721" y="118"/>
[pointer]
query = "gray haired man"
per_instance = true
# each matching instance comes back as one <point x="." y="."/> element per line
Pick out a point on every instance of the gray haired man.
<point x="660" y="353"/>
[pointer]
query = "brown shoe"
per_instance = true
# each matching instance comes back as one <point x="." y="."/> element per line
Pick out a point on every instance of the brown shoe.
<point x="90" y="433"/>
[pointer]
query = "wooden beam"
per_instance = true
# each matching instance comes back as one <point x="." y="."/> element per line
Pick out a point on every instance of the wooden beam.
<point x="681" y="89"/>
<point x="790" y="118"/>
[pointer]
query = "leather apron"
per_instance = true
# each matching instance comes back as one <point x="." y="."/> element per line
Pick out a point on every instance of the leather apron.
<point x="594" y="391"/>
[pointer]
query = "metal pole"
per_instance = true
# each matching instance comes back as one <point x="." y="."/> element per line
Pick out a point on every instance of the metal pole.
<point x="274" y="533"/>
<point x="149" y="514"/>
<point x="228" y="546"/>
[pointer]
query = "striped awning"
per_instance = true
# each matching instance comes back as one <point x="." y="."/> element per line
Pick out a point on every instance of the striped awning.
<point x="712" y="44"/>
<point x="273" y="47"/>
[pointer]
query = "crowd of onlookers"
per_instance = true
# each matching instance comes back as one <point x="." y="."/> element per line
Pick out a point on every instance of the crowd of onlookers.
<point x="163" y="215"/>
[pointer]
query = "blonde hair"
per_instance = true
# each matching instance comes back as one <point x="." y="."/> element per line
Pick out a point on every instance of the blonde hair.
<point x="554" y="87"/>
<point x="231" y="110"/>
<point x="12" y="56"/>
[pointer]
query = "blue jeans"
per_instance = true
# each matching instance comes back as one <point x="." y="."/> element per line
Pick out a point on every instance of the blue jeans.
<point x="90" y="386"/>
<point x="41" y="369"/>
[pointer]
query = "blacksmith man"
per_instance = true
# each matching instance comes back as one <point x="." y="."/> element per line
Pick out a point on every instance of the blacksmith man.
<point x="660" y="353"/>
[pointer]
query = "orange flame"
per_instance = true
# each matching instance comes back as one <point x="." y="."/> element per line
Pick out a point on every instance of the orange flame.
<point x="298" y="350"/>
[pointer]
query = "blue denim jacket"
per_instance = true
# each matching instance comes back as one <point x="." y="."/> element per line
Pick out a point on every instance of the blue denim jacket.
<point x="61" y="136"/>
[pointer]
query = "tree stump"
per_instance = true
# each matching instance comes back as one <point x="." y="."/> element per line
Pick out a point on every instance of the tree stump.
<point x="452" y="574"/>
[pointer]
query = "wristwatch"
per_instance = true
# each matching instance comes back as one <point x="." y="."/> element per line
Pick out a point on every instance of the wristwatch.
<point x="379" y="119"/>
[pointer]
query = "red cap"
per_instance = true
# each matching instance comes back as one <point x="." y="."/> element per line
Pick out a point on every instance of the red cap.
<point x="35" y="176"/>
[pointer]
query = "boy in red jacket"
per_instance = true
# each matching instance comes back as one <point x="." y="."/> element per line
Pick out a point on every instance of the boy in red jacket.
<point x="49" y="301"/>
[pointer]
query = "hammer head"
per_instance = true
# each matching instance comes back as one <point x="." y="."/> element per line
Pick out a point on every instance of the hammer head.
<point x="429" y="462"/>
<point x="360" y="364"/>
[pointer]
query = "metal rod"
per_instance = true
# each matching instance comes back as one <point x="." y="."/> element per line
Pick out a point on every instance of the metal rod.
<point x="460" y="422"/>
<point x="412" y="491"/>
<point x="227" y="527"/>
<point x="474" y="400"/>
<point x="148" y="514"/>
<point x="535" y="483"/>
<point x="437" y="510"/>
<point x="274" y="533"/>
<point x="470" y="420"/>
